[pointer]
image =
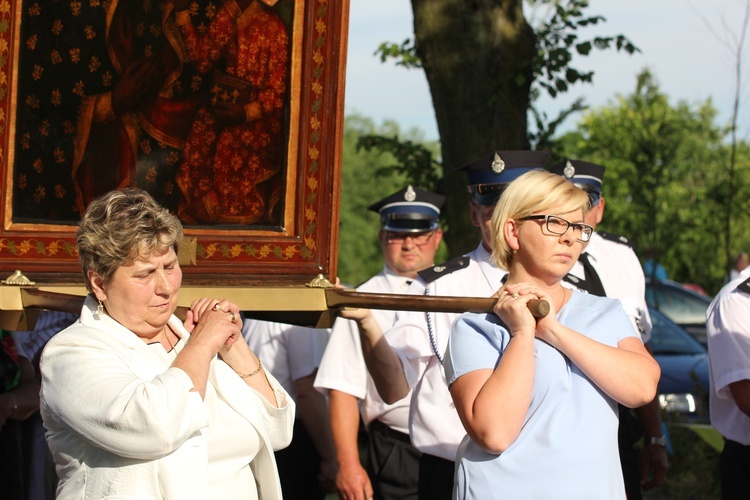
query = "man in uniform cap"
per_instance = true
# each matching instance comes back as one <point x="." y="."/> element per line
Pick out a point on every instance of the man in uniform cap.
<point x="409" y="236"/>
<point x="728" y="329"/>
<point x="418" y="340"/>
<point x="489" y="175"/>
<point x="410" y="211"/>
<point x="609" y="267"/>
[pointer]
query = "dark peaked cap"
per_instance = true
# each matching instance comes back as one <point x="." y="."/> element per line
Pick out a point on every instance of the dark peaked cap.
<point x="489" y="174"/>
<point x="588" y="176"/>
<point x="409" y="210"/>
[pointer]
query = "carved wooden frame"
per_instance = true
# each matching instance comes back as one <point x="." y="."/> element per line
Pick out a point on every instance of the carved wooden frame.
<point x="305" y="245"/>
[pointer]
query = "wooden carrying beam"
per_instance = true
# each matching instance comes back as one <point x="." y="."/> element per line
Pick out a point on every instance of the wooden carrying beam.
<point x="314" y="307"/>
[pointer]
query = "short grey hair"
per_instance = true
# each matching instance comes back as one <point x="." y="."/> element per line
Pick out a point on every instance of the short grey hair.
<point x="120" y="227"/>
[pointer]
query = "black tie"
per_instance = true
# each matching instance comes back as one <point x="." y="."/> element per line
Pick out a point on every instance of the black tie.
<point x="593" y="284"/>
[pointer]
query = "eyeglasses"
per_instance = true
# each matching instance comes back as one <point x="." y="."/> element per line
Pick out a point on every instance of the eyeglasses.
<point x="419" y="239"/>
<point x="558" y="225"/>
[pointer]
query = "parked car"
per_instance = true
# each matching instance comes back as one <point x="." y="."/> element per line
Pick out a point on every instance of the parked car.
<point x="685" y="306"/>
<point x="684" y="386"/>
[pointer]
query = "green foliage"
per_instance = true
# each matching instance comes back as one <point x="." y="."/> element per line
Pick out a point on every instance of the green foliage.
<point x="557" y="41"/>
<point x="367" y="177"/>
<point x="693" y="467"/>
<point x="545" y="129"/>
<point x="405" y="54"/>
<point x="412" y="160"/>
<point x="666" y="179"/>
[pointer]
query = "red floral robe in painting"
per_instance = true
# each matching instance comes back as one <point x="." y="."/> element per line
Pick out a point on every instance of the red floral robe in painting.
<point x="231" y="173"/>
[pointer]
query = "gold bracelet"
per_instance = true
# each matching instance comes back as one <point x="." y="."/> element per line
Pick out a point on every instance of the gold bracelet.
<point x="248" y="375"/>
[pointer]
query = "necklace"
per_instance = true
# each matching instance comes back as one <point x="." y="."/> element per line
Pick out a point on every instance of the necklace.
<point x="166" y="336"/>
<point x="562" y="302"/>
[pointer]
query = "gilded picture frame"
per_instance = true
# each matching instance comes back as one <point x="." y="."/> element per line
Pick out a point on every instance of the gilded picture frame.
<point x="292" y="245"/>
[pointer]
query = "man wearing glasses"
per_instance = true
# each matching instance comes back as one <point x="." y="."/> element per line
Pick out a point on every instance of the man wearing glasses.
<point x="609" y="267"/>
<point x="409" y="237"/>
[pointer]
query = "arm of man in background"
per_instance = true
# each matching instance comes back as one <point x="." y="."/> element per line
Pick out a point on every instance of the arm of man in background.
<point x="381" y="359"/>
<point x="654" y="463"/>
<point x="741" y="394"/>
<point x="352" y="480"/>
<point x="313" y="412"/>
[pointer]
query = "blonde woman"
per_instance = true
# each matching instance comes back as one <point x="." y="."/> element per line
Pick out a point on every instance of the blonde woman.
<point x="538" y="398"/>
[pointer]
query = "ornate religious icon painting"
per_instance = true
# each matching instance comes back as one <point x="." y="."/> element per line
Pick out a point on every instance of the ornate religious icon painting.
<point x="229" y="113"/>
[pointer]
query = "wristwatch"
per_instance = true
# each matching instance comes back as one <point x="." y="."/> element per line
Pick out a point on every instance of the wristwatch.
<point x="657" y="440"/>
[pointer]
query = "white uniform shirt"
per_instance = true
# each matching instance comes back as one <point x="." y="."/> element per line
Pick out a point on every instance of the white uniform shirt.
<point x="621" y="275"/>
<point x="343" y="366"/>
<point x="48" y="323"/>
<point x="728" y="331"/>
<point x="433" y="421"/>
<point x="289" y="352"/>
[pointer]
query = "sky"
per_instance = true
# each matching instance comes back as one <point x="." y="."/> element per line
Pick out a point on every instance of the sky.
<point x="689" y="46"/>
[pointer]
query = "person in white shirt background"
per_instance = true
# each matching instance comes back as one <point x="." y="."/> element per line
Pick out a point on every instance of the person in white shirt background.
<point x="728" y="331"/>
<point x="608" y="267"/>
<point x="307" y="467"/>
<point x="409" y="237"/>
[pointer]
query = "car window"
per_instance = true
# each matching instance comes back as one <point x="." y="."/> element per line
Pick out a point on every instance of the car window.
<point x="669" y="338"/>
<point x="681" y="306"/>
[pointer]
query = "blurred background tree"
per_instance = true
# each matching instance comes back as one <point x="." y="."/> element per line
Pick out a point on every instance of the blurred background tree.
<point x="666" y="182"/>
<point x="485" y="66"/>
<point x="676" y="181"/>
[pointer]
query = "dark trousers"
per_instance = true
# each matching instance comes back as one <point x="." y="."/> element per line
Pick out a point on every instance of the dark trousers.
<point x="11" y="462"/>
<point x="393" y="463"/>
<point x="629" y="433"/>
<point x="734" y="467"/>
<point x="299" y="465"/>
<point x="435" y="478"/>
<point x="631" y="473"/>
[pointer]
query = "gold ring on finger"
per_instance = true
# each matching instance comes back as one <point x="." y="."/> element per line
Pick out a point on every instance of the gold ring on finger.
<point x="515" y="296"/>
<point x="231" y="315"/>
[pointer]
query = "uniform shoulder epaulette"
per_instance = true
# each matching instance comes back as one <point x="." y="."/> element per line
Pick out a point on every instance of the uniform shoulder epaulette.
<point x="432" y="273"/>
<point x="615" y="237"/>
<point x="574" y="280"/>
<point x="744" y="286"/>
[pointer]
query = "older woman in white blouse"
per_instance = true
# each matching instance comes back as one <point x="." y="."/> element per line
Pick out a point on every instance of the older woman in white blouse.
<point x="138" y="404"/>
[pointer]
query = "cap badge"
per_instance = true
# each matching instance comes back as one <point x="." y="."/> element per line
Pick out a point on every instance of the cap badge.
<point x="498" y="165"/>
<point x="569" y="171"/>
<point x="410" y="195"/>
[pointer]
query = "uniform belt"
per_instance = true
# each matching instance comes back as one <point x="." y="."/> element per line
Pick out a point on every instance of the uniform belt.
<point x="384" y="430"/>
